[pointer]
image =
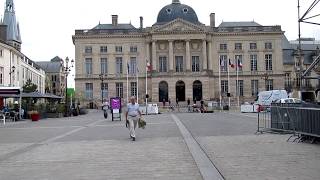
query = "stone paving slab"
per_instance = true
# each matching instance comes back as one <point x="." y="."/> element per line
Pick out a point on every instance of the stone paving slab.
<point x="267" y="157"/>
<point x="148" y="158"/>
<point x="9" y="148"/>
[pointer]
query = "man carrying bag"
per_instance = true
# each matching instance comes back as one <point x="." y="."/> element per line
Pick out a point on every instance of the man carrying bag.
<point x="133" y="114"/>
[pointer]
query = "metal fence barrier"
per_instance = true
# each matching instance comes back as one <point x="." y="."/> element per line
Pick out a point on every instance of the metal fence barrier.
<point x="290" y="118"/>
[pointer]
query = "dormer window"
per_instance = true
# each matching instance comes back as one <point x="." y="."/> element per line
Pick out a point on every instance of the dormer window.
<point x="185" y="10"/>
<point x="169" y="10"/>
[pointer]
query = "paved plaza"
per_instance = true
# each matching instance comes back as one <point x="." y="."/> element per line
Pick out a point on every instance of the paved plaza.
<point x="173" y="146"/>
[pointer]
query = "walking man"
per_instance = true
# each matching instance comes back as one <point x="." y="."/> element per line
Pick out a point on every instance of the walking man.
<point x="132" y="116"/>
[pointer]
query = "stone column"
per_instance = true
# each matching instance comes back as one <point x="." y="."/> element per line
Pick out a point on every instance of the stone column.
<point x="154" y="56"/>
<point x="210" y="56"/>
<point x="188" y="61"/>
<point x="171" y="55"/>
<point x="204" y="55"/>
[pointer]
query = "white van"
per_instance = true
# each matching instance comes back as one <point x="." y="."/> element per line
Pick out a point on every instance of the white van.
<point x="265" y="98"/>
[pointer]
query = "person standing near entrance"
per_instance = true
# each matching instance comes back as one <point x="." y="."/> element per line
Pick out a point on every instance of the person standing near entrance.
<point x="132" y="116"/>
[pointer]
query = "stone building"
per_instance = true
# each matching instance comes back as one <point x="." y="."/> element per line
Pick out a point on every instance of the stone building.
<point x="55" y="76"/>
<point x="189" y="59"/>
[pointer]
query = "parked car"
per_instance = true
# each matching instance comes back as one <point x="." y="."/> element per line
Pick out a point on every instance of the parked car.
<point x="289" y="100"/>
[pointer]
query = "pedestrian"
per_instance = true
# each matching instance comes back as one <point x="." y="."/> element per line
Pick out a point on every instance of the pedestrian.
<point x="189" y="107"/>
<point x="177" y="104"/>
<point x="164" y="103"/>
<point x="132" y="116"/>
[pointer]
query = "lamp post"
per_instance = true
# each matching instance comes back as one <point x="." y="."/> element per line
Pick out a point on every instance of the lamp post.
<point x="101" y="77"/>
<point x="13" y="68"/>
<point x="66" y="69"/>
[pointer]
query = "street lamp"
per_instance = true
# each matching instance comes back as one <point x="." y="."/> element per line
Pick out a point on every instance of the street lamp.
<point x="66" y="70"/>
<point x="13" y="68"/>
<point x="101" y="77"/>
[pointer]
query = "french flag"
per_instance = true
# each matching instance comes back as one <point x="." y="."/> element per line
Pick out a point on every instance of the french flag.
<point x="149" y="67"/>
<point x="231" y="64"/>
<point x="239" y="63"/>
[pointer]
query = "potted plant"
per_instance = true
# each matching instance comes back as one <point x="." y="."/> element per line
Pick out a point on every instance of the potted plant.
<point x="35" y="116"/>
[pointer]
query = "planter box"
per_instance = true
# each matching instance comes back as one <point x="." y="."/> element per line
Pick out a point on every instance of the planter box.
<point x="54" y="115"/>
<point x="35" y="117"/>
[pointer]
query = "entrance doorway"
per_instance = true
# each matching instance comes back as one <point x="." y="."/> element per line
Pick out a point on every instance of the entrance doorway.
<point x="163" y="91"/>
<point x="197" y="90"/>
<point x="181" y="91"/>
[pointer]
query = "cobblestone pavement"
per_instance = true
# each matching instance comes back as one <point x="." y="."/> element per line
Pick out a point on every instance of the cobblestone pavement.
<point x="90" y="147"/>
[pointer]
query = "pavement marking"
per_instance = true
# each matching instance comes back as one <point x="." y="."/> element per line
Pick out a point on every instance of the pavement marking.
<point x="205" y="165"/>
<point x="235" y="114"/>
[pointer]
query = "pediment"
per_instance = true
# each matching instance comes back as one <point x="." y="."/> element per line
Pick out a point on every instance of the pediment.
<point x="179" y="25"/>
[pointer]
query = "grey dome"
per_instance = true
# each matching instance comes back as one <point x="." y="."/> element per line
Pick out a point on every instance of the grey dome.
<point x="177" y="10"/>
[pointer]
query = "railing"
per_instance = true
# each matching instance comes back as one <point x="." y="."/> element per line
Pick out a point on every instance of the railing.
<point x="298" y="119"/>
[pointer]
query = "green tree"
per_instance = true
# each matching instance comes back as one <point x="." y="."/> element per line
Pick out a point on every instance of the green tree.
<point x="29" y="87"/>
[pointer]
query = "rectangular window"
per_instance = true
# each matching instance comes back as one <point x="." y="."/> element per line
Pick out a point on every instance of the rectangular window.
<point x="239" y="62"/>
<point x="89" y="91"/>
<point x="104" y="65"/>
<point x="119" y="69"/>
<point x="104" y="90"/>
<point x="287" y="81"/>
<point x="268" y="60"/>
<point x="88" y="62"/>
<point x="1" y="75"/>
<point x="133" y="89"/>
<point x="162" y="64"/>
<point x="1" y="52"/>
<point x="254" y="62"/>
<point x="238" y="46"/>
<point x="223" y="63"/>
<point x="223" y="47"/>
<point x="133" y="49"/>
<point x="119" y="89"/>
<point x="118" y="49"/>
<point x="268" y="45"/>
<point x="179" y="63"/>
<point x="224" y="87"/>
<point x="133" y="65"/>
<point x="239" y="87"/>
<point x="195" y="64"/>
<point x="254" y="87"/>
<point x="269" y="84"/>
<point x="103" y="49"/>
<point x="88" y="49"/>
<point x="253" y="46"/>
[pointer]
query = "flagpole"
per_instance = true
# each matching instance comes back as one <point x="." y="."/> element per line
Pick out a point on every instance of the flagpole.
<point x="220" y="80"/>
<point x="147" y="88"/>
<point x="229" y="98"/>
<point x="237" y="84"/>
<point x="127" y="83"/>
<point x="137" y="85"/>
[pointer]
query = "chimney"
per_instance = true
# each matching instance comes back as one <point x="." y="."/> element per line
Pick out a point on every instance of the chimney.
<point x="114" y="20"/>
<point x="213" y="20"/>
<point x="141" y="22"/>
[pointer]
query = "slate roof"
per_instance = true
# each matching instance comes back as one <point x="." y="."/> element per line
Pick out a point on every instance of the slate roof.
<point x="118" y="27"/>
<point x="239" y="24"/>
<point x="9" y="19"/>
<point x="52" y="66"/>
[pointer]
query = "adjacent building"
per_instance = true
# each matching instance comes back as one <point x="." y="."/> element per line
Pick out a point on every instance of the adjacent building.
<point x="15" y="67"/>
<point x="55" y="76"/>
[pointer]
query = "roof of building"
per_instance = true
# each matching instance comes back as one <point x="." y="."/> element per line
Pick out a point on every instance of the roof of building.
<point x="177" y="10"/>
<point x="239" y="24"/>
<point x="53" y="66"/>
<point x="112" y="27"/>
<point x="9" y="19"/>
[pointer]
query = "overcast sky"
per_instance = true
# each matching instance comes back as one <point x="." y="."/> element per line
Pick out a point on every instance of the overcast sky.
<point x="47" y="25"/>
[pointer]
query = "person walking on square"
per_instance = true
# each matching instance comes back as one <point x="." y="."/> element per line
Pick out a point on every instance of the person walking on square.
<point x="189" y="106"/>
<point x="132" y="116"/>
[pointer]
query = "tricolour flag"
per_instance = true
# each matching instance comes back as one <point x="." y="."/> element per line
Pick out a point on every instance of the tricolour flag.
<point x="149" y="67"/>
<point x="239" y="63"/>
<point x="231" y="64"/>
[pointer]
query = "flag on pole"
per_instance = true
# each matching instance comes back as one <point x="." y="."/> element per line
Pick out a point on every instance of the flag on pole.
<point x="149" y="67"/>
<point x="128" y="68"/>
<point x="239" y="63"/>
<point x="231" y="64"/>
